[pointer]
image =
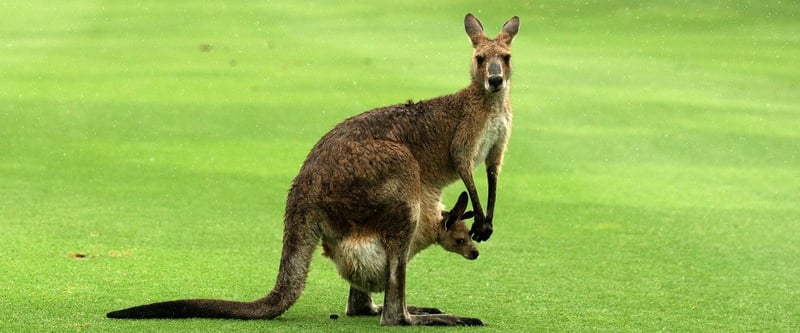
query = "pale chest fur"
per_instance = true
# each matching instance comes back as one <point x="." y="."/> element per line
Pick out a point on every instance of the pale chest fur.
<point x="496" y="131"/>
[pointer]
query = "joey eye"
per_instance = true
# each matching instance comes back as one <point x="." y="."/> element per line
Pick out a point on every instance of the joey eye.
<point x="479" y="59"/>
<point x="460" y="241"/>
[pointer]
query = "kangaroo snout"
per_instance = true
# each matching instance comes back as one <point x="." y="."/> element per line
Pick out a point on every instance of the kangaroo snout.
<point x="472" y="255"/>
<point x="495" y="83"/>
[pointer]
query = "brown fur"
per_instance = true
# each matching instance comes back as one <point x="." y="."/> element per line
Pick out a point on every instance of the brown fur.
<point x="361" y="259"/>
<point x="377" y="179"/>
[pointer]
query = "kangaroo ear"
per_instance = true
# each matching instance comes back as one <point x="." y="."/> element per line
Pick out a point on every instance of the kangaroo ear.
<point x="450" y="221"/>
<point x="510" y="29"/>
<point x="474" y="29"/>
<point x="468" y="215"/>
<point x="461" y="205"/>
<point x="457" y="212"/>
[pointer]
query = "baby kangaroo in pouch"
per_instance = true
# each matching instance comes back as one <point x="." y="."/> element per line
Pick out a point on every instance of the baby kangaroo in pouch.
<point x="370" y="191"/>
<point x="362" y="260"/>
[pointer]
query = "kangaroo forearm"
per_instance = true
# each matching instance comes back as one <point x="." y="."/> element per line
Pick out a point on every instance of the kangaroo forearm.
<point x="491" y="175"/>
<point x="469" y="183"/>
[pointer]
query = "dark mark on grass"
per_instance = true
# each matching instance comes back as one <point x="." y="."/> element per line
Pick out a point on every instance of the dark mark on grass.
<point x="78" y="255"/>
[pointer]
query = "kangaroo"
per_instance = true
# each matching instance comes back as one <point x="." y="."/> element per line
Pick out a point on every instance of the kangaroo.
<point x="376" y="178"/>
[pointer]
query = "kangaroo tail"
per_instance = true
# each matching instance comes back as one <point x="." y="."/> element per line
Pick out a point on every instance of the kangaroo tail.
<point x="193" y="308"/>
<point x="299" y="242"/>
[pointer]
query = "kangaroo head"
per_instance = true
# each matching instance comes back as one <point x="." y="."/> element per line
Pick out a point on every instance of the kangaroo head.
<point x="454" y="234"/>
<point x="491" y="61"/>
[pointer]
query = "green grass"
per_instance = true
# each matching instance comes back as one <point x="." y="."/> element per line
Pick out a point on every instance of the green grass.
<point x="652" y="182"/>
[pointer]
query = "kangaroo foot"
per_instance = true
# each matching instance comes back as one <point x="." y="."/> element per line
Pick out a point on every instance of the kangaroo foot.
<point x="446" y="320"/>
<point x="360" y="303"/>
<point x="376" y="310"/>
<point x="432" y="320"/>
<point x="416" y="310"/>
<point x="364" y="311"/>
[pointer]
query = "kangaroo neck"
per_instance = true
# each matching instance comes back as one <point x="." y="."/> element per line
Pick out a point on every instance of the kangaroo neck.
<point x="494" y="102"/>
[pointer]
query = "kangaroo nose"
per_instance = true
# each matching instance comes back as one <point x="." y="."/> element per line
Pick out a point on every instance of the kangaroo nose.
<point x="495" y="81"/>
<point x="473" y="255"/>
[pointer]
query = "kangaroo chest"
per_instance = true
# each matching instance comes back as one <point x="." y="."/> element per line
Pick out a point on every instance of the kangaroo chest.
<point x="495" y="131"/>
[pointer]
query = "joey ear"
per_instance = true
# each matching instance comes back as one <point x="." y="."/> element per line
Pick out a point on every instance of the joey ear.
<point x="457" y="212"/>
<point x="474" y="29"/>
<point x="510" y="29"/>
<point x="461" y="205"/>
<point x="450" y="221"/>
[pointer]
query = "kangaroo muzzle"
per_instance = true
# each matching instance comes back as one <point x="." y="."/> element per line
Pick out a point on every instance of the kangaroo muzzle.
<point x="495" y="81"/>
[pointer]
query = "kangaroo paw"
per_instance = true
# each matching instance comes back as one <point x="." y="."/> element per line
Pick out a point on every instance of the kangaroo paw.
<point x="481" y="230"/>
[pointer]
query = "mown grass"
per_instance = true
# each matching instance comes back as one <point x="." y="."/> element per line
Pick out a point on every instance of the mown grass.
<point x="651" y="183"/>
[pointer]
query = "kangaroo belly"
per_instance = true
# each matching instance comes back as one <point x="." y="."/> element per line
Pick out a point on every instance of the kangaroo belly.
<point x="360" y="261"/>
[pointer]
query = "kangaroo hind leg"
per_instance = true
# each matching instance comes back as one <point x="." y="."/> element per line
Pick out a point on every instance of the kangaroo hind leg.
<point x="397" y="241"/>
<point x="360" y="303"/>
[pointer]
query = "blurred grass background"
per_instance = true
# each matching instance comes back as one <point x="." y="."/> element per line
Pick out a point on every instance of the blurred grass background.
<point x="651" y="183"/>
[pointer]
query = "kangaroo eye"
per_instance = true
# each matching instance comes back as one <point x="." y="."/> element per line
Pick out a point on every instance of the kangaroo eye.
<point x="479" y="59"/>
<point x="460" y="241"/>
<point x="506" y="58"/>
